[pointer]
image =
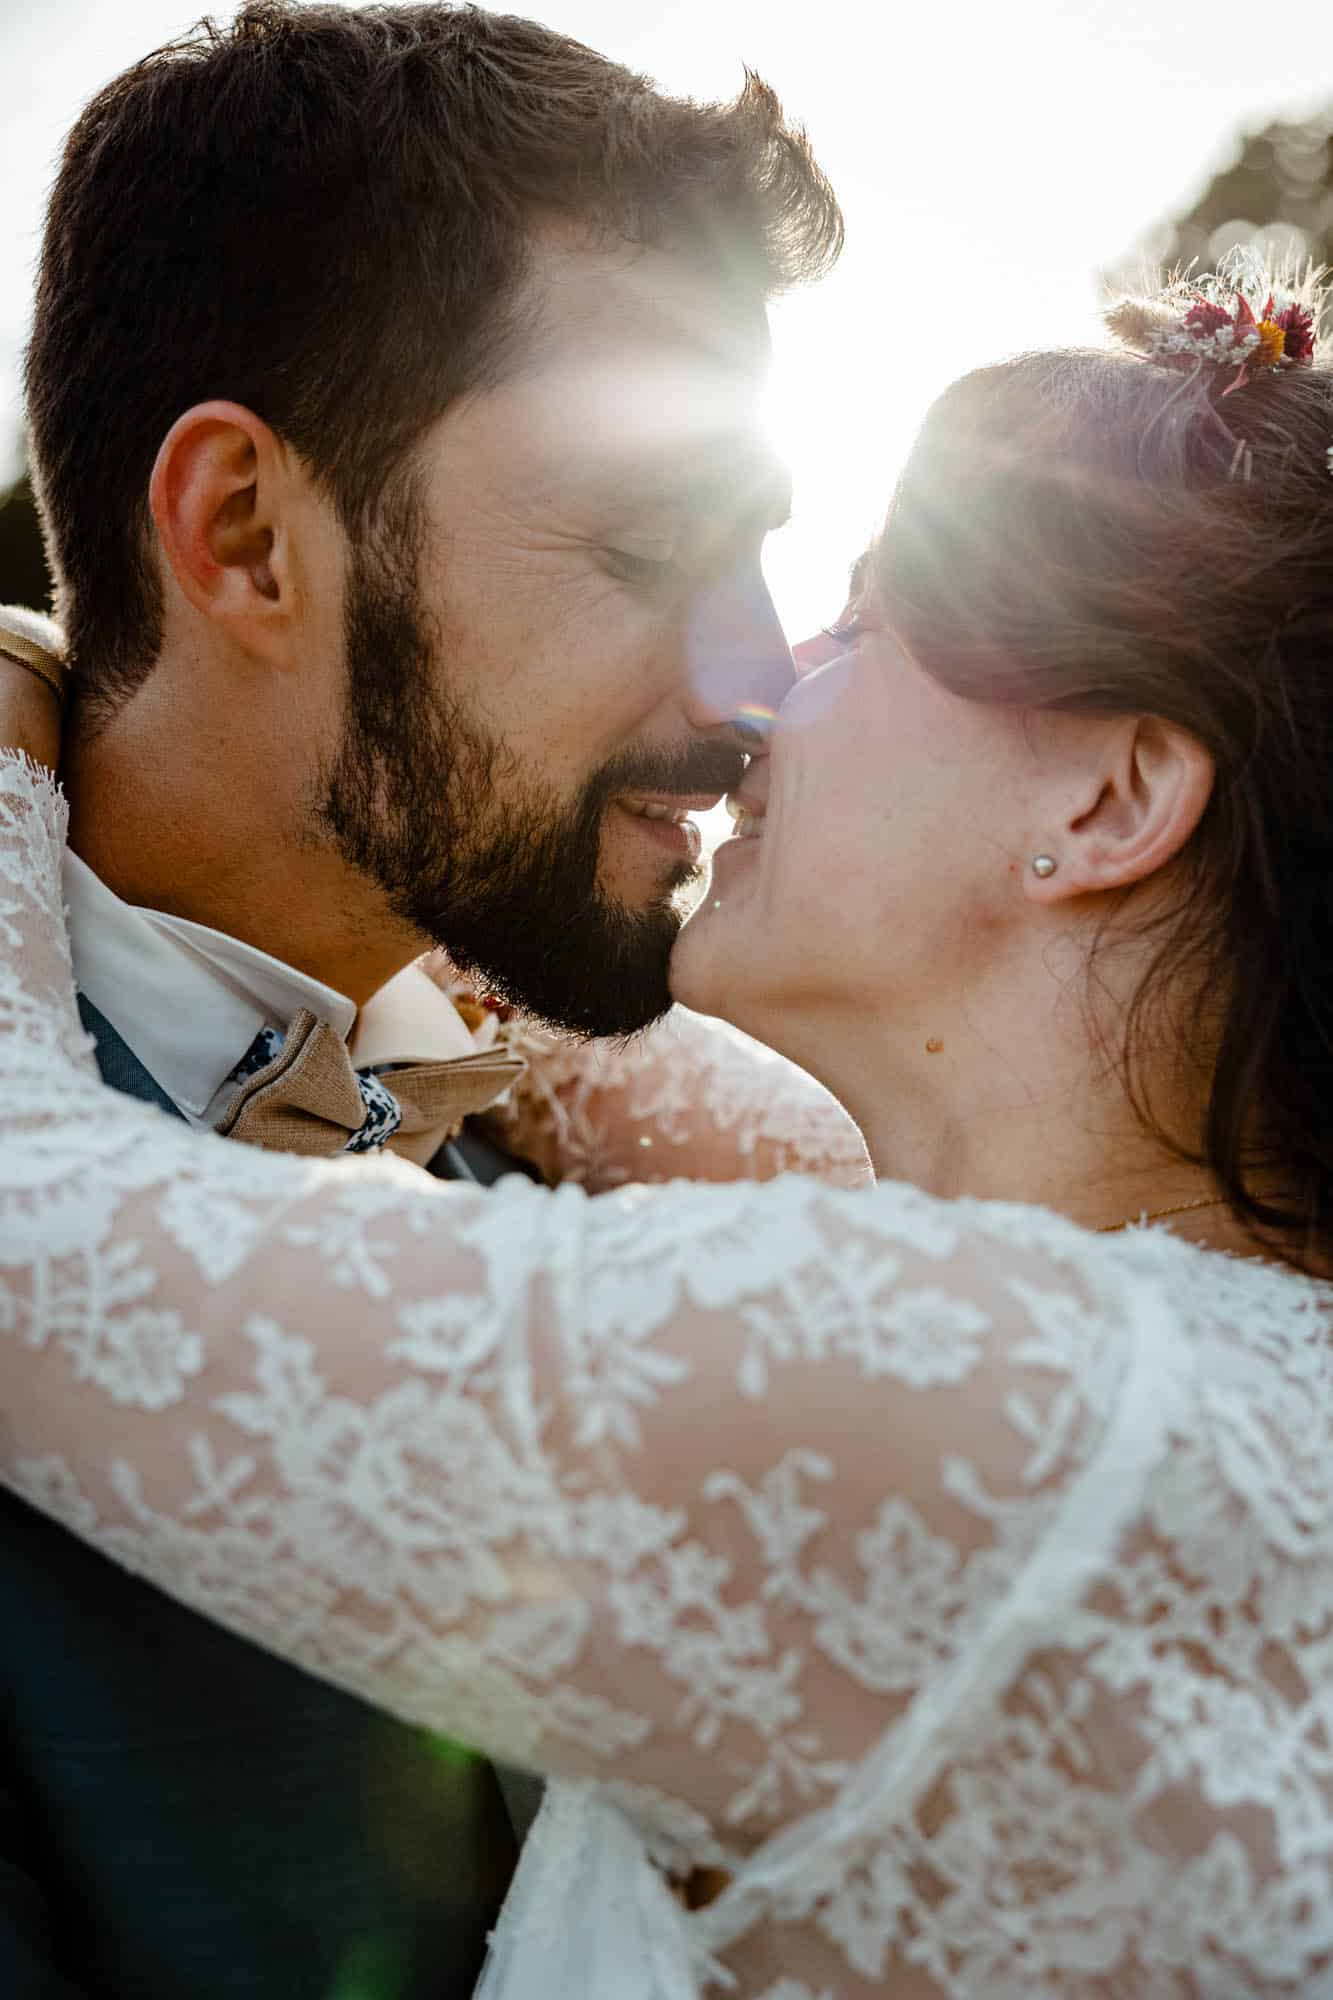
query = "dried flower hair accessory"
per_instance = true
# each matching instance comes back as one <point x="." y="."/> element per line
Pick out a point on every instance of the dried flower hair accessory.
<point x="1223" y="329"/>
<point x="1214" y="323"/>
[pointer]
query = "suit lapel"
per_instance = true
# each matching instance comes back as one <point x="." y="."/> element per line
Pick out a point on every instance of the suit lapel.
<point x="119" y="1065"/>
<point x="467" y="1158"/>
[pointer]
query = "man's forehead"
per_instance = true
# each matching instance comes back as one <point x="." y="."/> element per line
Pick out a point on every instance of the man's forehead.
<point x="619" y="297"/>
<point x="638" y="425"/>
<point x="644" y="392"/>
<point x="633" y="381"/>
<point x="732" y="472"/>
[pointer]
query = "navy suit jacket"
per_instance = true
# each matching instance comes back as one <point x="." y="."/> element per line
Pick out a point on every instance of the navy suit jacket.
<point x="184" y="1817"/>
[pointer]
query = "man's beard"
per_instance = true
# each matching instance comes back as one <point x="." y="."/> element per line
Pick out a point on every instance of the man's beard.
<point x="472" y="852"/>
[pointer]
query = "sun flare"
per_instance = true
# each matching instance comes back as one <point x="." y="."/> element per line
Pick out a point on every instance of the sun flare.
<point x="843" y="425"/>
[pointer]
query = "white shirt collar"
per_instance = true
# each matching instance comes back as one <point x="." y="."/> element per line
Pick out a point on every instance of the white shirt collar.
<point x="188" y="1000"/>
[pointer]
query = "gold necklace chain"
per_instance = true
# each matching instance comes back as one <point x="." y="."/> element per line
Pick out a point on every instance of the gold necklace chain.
<point x="1156" y="1214"/>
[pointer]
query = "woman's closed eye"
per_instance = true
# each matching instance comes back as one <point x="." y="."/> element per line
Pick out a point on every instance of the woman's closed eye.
<point x="830" y="642"/>
<point x="847" y="628"/>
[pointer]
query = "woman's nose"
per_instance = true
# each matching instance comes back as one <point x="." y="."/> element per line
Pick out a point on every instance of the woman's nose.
<point x="816" y="652"/>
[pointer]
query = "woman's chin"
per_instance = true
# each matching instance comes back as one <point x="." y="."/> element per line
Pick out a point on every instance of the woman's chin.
<point x="712" y="960"/>
<point x="694" y="978"/>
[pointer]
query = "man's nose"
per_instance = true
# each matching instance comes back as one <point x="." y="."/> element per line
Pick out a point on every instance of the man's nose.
<point x="738" y="661"/>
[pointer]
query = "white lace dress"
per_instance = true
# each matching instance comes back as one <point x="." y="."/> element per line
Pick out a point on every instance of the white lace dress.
<point x="960" y="1582"/>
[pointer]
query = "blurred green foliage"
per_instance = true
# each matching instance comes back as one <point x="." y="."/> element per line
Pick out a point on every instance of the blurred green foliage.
<point x="375" y="1970"/>
<point x="1276" y="191"/>
<point x="447" y="1752"/>
<point x="23" y="573"/>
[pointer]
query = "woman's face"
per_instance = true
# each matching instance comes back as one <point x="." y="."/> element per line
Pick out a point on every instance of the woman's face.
<point x="888" y="865"/>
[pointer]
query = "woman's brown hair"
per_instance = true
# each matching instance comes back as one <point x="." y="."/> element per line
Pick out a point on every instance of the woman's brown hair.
<point x="1084" y="530"/>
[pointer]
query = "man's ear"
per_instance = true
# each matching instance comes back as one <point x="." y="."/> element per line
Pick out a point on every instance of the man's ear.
<point x="1144" y="792"/>
<point x="217" y="495"/>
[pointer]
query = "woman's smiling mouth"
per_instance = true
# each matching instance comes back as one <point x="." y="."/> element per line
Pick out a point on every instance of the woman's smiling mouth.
<point x="747" y="814"/>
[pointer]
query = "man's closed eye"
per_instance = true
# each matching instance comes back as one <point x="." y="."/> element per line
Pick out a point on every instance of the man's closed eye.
<point x="633" y="567"/>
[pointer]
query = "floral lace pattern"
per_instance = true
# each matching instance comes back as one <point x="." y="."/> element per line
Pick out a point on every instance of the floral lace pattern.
<point x="691" y="1095"/>
<point x="960" y="1582"/>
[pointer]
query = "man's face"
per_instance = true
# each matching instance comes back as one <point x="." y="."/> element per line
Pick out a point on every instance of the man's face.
<point x="558" y="622"/>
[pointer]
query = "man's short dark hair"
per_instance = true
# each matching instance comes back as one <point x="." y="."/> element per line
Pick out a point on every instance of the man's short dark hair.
<point x="322" y="213"/>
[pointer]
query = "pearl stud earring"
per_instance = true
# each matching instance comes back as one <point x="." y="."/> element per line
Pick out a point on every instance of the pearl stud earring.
<point x="1044" y="865"/>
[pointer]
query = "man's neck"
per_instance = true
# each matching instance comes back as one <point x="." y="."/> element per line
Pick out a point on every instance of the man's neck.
<point x="169" y="823"/>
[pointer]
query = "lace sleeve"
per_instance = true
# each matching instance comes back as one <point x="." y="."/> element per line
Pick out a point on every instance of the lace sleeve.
<point x="748" y="1502"/>
<point x="691" y="1097"/>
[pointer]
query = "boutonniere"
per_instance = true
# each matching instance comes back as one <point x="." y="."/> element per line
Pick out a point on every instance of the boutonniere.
<point x="492" y="1023"/>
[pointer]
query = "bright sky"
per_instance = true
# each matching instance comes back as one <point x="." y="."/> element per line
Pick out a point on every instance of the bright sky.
<point x="990" y="160"/>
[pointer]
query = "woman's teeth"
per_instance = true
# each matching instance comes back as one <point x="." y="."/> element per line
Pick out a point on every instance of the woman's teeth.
<point x="746" y="824"/>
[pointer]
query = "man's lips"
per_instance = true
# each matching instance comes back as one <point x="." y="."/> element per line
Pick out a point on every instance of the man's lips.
<point x="665" y="818"/>
<point x="668" y="805"/>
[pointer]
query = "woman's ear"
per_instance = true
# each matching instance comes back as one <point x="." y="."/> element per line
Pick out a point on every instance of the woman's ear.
<point x="217" y="495"/>
<point x="1144" y="793"/>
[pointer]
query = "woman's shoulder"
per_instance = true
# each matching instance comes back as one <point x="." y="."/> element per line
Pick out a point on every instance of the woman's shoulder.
<point x="1240" y="1313"/>
<point x="1256" y="1453"/>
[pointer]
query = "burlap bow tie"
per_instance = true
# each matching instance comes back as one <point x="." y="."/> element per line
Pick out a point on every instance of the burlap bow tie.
<point x="308" y="1099"/>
